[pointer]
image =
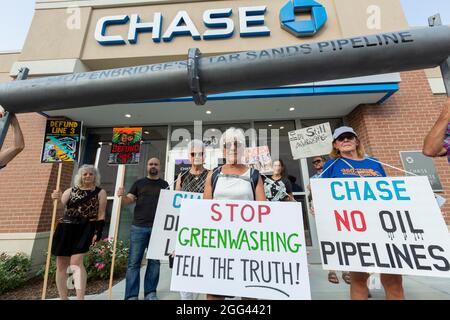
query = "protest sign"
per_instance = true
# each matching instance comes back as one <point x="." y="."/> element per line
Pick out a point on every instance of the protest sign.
<point x="165" y="226"/>
<point x="241" y="248"/>
<point x="61" y="141"/>
<point x="126" y="144"/>
<point x="311" y="142"/>
<point x="382" y="225"/>
<point x="258" y="158"/>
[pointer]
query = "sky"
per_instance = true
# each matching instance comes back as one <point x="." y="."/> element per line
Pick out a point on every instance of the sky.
<point x="16" y="16"/>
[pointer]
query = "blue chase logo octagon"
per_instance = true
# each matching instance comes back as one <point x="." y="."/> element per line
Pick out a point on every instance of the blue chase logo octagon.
<point x="303" y="28"/>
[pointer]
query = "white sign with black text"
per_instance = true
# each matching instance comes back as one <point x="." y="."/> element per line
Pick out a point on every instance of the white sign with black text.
<point x="311" y="142"/>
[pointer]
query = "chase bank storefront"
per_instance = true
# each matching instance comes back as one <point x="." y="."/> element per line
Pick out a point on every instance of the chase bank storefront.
<point x="77" y="36"/>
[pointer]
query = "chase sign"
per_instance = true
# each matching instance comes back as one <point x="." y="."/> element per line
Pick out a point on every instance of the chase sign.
<point x="303" y="27"/>
<point x="218" y="22"/>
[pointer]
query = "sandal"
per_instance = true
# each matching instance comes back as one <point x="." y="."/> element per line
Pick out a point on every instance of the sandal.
<point x="332" y="277"/>
<point x="346" y="277"/>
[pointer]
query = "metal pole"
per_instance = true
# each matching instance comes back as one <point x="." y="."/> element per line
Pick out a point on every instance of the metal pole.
<point x="320" y="61"/>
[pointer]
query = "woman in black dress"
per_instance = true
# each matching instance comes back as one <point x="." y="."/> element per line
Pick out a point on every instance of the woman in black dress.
<point x="79" y="228"/>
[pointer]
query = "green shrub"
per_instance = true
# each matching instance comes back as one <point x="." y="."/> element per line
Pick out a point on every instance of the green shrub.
<point x="13" y="271"/>
<point x="99" y="259"/>
<point x="51" y="270"/>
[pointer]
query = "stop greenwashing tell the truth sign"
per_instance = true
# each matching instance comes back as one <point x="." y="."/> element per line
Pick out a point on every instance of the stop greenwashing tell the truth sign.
<point x="241" y="248"/>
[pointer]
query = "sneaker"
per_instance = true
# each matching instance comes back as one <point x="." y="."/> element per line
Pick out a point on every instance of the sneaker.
<point x="151" y="296"/>
<point x="133" y="298"/>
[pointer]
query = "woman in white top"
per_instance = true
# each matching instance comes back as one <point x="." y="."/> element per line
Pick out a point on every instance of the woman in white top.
<point x="234" y="180"/>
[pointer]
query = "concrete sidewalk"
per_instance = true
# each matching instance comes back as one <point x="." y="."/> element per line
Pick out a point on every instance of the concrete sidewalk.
<point x="416" y="288"/>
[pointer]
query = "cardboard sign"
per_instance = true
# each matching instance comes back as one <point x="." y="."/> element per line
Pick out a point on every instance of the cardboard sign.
<point x="165" y="226"/>
<point x="381" y="225"/>
<point x="61" y="141"/>
<point x="258" y="158"/>
<point x="311" y="142"/>
<point x="126" y="144"/>
<point x="241" y="248"/>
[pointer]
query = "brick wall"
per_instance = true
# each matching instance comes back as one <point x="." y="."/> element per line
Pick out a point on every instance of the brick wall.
<point x="26" y="184"/>
<point x="400" y="124"/>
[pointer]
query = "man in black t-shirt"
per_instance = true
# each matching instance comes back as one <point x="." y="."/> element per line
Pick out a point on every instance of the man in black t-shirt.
<point x="145" y="193"/>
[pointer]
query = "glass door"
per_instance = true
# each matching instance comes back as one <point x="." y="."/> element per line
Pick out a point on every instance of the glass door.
<point x="108" y="176"/>
<point x="154" y="145"/>
<point x="308" y="171"/>
<point x="274" y="134"/>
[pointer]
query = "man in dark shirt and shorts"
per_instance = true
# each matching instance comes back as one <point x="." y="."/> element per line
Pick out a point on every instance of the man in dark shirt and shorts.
<point x="145" y="192"/>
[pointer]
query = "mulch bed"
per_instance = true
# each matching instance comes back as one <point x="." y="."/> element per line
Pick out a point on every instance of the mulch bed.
<point x="32" y="290"/>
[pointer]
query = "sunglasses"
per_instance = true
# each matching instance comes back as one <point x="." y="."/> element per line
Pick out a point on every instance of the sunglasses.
<point x="348" y="136"/>
<point x="236" y="144"/>
<point x="193" y="154"/>
<point x="317" y="161"/>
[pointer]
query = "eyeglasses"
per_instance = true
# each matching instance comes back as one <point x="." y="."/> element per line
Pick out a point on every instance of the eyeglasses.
<point x="193" y="154"/>
<point x="317" y="161"/>
<point x="348" y="136"/>
<point x="236" y="144"/>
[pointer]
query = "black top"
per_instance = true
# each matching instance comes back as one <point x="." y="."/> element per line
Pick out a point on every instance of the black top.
<point x="147" y="193"/>
<point x="192" y="182"/>
<point x="277" y="190"/>
<point x="83" y="203"/>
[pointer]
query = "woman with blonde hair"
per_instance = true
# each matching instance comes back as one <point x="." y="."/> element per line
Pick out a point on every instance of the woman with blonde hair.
<point x="233" y="180"/>
<point x="79" y="228"/>
<point x="348" y="160"/>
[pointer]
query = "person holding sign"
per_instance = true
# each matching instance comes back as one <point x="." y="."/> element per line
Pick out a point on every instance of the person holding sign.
<point x="437" y="141"/>
<point x="318" y="163"/>
<point x="277" y="187"/>
<point x="79" y="228"/>
<point x="145" y="193"/>
<point x="233" y="180"/>
<point x="193" y="181"/>
<point x="6" y="155"/>
<point x="348" y="160"/>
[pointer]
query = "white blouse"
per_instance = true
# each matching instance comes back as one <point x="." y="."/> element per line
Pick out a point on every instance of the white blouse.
<point x="233" y="187"/>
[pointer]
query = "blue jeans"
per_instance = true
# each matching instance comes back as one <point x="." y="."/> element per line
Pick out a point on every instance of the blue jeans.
<point x="139" y="239"/>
